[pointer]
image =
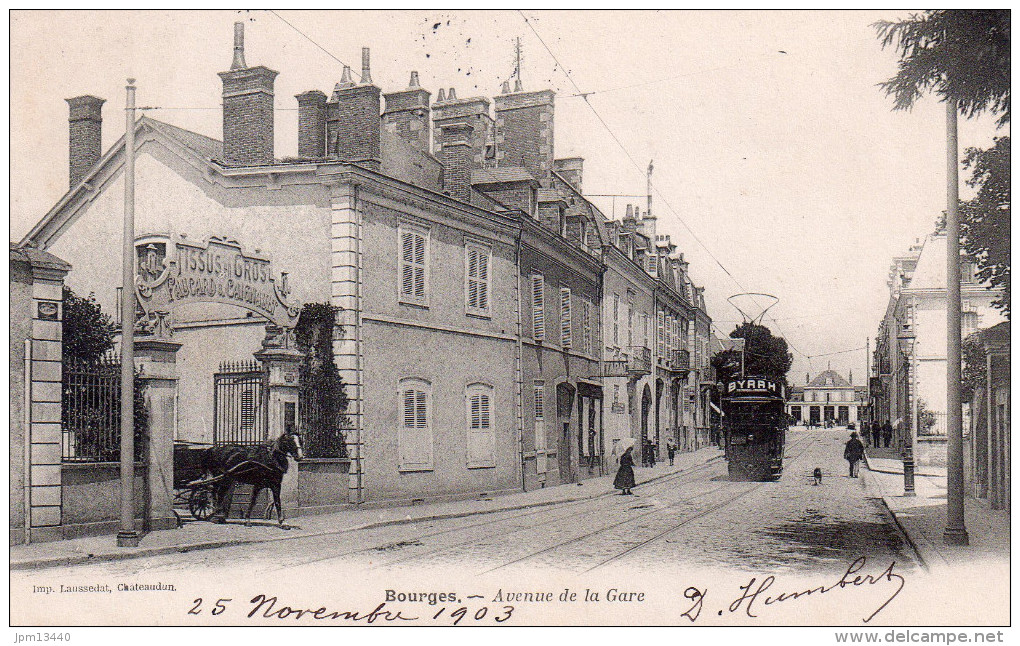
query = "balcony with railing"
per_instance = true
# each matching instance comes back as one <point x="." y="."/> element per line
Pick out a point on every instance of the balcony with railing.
<point x="639" y="361"/>
<point x="680" y="360"/>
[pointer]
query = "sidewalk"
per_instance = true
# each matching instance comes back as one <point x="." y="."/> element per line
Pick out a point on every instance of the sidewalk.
<point x="205" y="535"/>
<point x="923" y="517"/>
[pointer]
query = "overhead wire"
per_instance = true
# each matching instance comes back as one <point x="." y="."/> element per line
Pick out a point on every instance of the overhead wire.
<point x="651" y="184"/>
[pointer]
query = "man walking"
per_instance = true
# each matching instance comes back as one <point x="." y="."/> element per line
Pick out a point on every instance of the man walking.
<point x="876" y="433"/>
<point x="853" y="453"/>
<point x="887" y="433"/>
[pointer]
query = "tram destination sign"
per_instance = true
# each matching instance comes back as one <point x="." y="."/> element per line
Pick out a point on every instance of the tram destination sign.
<point x="176" y="271"/>
<point x="755" y="386"/>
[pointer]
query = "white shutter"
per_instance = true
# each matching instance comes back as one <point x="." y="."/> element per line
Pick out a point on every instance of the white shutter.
<point x="481" y="444"/>
<point x="659" y="341"/>
<point x="477" y="280"/>
<point x="413" y="257"/>
<point x="538" y="306"/>
<point x="565" y="320"/>
<point x="415" y="436"/>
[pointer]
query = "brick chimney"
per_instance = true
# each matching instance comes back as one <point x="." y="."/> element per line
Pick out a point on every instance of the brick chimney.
<point x="571" y="169"/>
<point x="353" y="126"/>
<point x="311" y="124"/>
<point x="524" y="131"/>
<point x="247" y="109"/>
<point x="407" y="114"/>
<point x="85" y="125"/>
<point x="461" y="131"/>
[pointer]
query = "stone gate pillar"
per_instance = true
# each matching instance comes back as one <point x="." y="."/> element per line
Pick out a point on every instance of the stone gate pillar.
<point x="282" y="363"/>
<point x="156" y="363"/>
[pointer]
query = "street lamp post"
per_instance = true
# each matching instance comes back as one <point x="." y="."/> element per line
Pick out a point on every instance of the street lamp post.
<point x="908" y="337"/>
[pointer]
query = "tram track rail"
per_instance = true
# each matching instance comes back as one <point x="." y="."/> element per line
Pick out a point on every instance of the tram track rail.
<point x="631" y="519"/>
<point x="657" y="484"/>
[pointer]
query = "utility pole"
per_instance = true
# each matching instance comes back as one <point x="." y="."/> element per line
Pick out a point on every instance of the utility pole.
<point x="128" y="536"/>
<point x="650" y="168"/>
<point x="956" y="529"/>
<point x="518" y="83"/>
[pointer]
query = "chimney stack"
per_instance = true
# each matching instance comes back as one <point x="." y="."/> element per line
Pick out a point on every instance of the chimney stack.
<point x="571" y="169"/>
<point x="524" y="131"/>
<point x="353" y="125"/>
<point x="407" y="114"/>
<point x="85" y="126"/>
<point x="247" y="109"/>
<point x="461" y="130"/>
<point x="311" y="124"/>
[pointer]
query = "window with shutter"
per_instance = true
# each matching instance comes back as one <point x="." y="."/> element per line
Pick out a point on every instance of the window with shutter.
<point x="477" y="279"/>
<point x="538" y="307"/>
<point x="616" y="320"/>
<point x="415" y="434"/>
<point x="481" y="441"/>
<point x="586" y="326"/>
<point x="413" y="265"/>
<point x="541" y="442"/>
<point x="659" y="340"/>
<point x="566" y="339"/>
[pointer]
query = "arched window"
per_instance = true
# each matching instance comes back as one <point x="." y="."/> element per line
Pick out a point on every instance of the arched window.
<point x="414" y="437"/>
<point x="481" y="437"/>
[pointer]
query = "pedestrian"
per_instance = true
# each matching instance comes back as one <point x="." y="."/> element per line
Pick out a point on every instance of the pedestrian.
<point x="853" y="453"/>
<point x="651" y="454"/>
<point x="671" y="450"/>
<point x="876" y="433"/>
<point x="625" y="475"/>
<point x="887" y="433"/>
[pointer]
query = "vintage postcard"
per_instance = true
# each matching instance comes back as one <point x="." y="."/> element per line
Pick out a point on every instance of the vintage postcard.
<point x="510" y="318"/>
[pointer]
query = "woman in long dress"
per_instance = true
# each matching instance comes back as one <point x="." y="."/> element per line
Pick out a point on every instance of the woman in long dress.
<point x="625" y="476"/>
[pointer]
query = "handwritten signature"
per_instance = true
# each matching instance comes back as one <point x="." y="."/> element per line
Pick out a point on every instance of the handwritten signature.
<point x="754" y="591"/>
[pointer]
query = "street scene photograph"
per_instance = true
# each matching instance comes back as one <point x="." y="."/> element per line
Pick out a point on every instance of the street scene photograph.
<point x="510" y="318"/>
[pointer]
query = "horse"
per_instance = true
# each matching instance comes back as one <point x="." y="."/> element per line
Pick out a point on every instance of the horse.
<point x="261" y="466"/>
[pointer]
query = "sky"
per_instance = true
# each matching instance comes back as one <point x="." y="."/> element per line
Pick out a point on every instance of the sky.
<point x="780" y="166"/>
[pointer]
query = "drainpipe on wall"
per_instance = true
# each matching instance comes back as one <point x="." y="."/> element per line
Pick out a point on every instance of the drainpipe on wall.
<point x="519" y="367"/>
<point x="27" y="458"/>
<point x="357" y="335"/>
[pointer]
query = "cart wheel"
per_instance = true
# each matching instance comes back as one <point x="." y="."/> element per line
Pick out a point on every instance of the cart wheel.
<point x="200" y="504"/>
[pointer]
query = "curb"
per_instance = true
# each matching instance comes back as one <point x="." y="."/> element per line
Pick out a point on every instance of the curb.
<point x="42" y="563"/>
<point x="899" y="525"/>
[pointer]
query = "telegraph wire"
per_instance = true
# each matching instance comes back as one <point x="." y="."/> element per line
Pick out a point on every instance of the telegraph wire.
<point x="626" y="152"/>
<point x="308" y="38"/>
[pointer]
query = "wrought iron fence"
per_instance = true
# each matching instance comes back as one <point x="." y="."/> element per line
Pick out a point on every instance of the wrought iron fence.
<point x="323" y="435"/>
<point x="240" y="403"/>
<point x="931" y="423"/>
<point x="90" y="412"/>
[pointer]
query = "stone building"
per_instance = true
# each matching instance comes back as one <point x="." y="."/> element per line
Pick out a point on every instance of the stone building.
<point x="910" y="354"/>
<point x="464" y="262"/>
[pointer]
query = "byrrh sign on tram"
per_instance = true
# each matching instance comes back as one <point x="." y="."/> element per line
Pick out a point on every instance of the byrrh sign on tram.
<point x="754" y="420"/>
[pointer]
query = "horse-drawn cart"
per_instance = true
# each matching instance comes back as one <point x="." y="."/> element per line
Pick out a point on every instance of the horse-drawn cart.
<point x="192" y="488"/>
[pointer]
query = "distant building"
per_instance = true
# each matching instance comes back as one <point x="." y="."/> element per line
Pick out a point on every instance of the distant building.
<point x="910" y="353"/>
<point x="827" y="397"/>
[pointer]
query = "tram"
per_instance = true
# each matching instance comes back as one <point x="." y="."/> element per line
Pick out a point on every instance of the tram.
<point x="755" y="423"/>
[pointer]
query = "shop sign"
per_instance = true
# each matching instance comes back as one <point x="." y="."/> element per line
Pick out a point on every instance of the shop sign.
<point x="174" y="271"/>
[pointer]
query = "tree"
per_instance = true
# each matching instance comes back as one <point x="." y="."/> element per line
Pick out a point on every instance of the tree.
<point x="764" y="355"/>
<point x="961" y="55"/>
<point x="984" y="220"/>
<point x="965" y="56"/>
<point x="323" y="396"/>
<point x="87" y="330"/>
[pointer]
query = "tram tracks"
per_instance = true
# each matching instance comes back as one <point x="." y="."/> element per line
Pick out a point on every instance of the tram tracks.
<point x="631" y="519"/>
<point x="415" y="539"/>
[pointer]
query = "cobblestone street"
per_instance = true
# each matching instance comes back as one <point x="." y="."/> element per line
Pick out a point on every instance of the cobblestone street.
<point x="688" y="520"/>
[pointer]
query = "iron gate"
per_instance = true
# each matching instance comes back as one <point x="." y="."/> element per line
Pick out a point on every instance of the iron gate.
<point x="240" y="403"/>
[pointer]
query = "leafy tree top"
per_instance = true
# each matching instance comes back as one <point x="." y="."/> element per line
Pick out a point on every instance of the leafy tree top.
<point x="87" y="330"/>
<point x="764" y="354"/>
<point x="957" y="54"/>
